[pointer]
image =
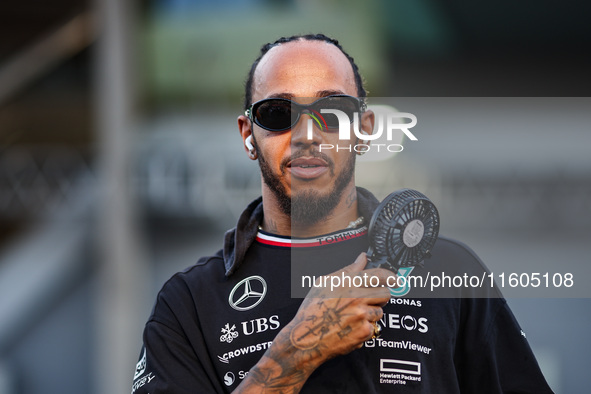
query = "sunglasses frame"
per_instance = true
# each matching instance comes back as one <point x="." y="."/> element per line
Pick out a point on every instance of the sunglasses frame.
<point x="361" y="105"/>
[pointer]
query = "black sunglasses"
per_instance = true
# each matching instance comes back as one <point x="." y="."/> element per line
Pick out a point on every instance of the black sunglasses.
<point x="279" y="114"/>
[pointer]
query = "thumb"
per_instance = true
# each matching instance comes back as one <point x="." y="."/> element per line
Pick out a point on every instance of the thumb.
<point x="358" y="265"/>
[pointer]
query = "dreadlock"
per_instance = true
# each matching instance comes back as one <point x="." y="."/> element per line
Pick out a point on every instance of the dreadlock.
<point x="308" y="37"/>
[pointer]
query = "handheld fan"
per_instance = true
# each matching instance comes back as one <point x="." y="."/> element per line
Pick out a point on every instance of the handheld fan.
<point x="402" y="230"/>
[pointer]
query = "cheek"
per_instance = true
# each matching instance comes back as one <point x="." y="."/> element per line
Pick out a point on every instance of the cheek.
<point x="344" y="156"/>
<point x="274" y="148"/>
<point x="346" y="162"/>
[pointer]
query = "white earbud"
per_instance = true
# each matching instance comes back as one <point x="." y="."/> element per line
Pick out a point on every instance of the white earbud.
<point x="248" y="143"/>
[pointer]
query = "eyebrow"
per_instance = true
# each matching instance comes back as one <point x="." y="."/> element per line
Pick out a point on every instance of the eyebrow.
<point x="320" y="93"/>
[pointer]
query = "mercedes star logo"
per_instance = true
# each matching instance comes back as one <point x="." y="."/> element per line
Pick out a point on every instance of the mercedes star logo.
<point x="248" y="293"/>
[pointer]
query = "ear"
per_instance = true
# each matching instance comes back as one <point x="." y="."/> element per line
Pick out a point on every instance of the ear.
<point x="367" y="123"/>
<point x="245" y="129"/>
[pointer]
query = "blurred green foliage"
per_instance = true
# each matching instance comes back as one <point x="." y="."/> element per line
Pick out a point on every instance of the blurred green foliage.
<point x="205" y="55"/>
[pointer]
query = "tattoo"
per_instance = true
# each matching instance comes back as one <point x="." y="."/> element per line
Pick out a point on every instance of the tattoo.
<point x="351" y="198"/>
<point x="288" y="363"/>
<point x="307" y="334"/>
<point x="270" y="225"/>
<point x="344" y="332"/>
<point x="267" y="380"/>
<point x="283" y="372"/>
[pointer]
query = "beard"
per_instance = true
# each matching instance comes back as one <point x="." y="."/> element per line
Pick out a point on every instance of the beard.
<point x="307" y="206"/>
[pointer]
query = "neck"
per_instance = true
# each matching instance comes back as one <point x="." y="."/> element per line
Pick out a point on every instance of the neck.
<point x="277" y="222"/>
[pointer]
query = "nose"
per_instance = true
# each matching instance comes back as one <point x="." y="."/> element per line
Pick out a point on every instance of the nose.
<point x="307" y="131"/>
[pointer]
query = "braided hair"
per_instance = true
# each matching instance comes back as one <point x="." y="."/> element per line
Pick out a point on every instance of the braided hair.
<point x="307" y="37"/>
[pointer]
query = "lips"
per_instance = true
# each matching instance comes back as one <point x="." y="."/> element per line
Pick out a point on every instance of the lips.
<point x="307" y="167"/>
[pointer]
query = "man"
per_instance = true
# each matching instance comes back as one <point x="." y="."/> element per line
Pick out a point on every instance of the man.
<point x="229" y="323"/>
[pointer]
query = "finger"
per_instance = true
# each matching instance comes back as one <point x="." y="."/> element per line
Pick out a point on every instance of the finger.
<point x="371" y="331"/>
<point x="365" y="332"/>
<point x="385" y="277"/>
<point x="380" y="299"/>
<point x="358" y="265"/>
<point x="374" y="313"/>
<point x="372" y="295"/>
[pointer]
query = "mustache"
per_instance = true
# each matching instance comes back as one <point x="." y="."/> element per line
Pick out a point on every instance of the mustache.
<point x="308" y="153"/>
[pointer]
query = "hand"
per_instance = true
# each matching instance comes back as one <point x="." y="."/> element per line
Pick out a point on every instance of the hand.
<point x="330" y="322"/>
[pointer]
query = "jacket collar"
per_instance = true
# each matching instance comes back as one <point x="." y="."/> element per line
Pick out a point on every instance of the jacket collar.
<point x="238" y="240"/>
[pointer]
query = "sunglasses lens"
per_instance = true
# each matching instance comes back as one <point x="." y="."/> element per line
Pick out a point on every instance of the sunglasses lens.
<point x="281" y="114"/>
<point x="273" y="114"/>
<point x="345" y="104"/>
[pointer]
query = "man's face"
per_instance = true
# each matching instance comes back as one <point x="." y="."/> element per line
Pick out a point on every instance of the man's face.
<point x="306" y="183"/>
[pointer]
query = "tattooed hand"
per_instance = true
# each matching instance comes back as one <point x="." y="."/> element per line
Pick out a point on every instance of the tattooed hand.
<point x="329" y="323"/>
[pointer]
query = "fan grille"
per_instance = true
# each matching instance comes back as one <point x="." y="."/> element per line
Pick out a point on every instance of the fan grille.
<point x="404" y="228"/>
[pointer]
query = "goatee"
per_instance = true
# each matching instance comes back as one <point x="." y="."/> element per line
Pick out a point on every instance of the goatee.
<point x="307" y="207"/>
